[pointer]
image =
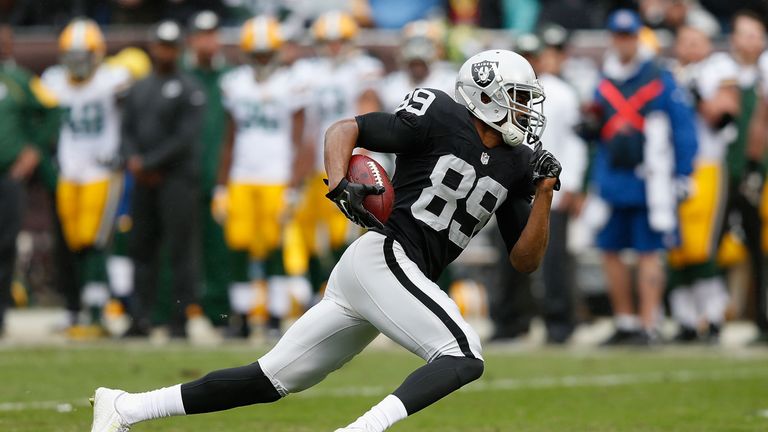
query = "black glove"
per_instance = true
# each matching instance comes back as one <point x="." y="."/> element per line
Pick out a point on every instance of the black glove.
<point x="349" y="198"/>
<point x="545" y="165"/>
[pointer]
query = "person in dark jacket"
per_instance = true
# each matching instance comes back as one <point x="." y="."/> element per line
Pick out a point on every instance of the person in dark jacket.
<point x="160" y="142"/>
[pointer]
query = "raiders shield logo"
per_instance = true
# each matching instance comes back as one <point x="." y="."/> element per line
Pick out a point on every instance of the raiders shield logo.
<point x="483" y="72"/>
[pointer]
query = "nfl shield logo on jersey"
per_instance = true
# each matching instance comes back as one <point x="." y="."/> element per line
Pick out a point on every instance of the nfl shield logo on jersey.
<point x="484" y="158"/>
<point x="483" y="72"/>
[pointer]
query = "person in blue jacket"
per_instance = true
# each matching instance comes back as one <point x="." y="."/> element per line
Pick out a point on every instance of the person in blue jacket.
<point x="647" y="142"/>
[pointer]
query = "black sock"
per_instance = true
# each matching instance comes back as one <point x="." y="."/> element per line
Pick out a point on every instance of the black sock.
<point x="437" y="379"/>
<point x="228" y="388"/>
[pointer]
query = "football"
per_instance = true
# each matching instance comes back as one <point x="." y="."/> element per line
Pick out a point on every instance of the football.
<point x="362" y="169"/>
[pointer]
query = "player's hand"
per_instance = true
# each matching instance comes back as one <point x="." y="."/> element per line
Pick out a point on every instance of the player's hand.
<point x="25" y="164"/>
<point x="220" y="204"/>
<point x="349" y="198"/>
<point x="135" y="165"/>
<point x="545" y="166"/>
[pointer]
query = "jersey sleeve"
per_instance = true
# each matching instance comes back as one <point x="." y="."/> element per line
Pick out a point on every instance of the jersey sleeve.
<point x="511" y="218"/>
<point x="227" y="84"/>
<point x="409" y="128"/>
<point x="389" y="133"/>
<point x="762" y="65"/>
<point x="300" y="92"/>
<point x="681" y="114"/>
<point x="720" y="71"/>
<point x="369" y="71"/>
<point x="121" y="80"/>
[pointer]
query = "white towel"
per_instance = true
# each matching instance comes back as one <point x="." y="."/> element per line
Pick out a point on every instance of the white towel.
<point x="658" y="171"/>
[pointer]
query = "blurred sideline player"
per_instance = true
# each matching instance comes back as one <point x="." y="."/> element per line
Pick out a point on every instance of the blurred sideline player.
<point x="341" y="83"/>
<point x="89" y="184"/>
<point x="27" y="117"/>
<point x="205" y="61"/>
<point x="260" y="167"/>
<point x="758" y="137"/>
<point x="563" y="116"/>
<point x="698" y="288"/>
<point x="743" y="237"/>
<point x="420" y="65"/>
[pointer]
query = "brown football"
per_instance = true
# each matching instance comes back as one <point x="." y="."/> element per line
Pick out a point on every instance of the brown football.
<point x="365" y="170"/>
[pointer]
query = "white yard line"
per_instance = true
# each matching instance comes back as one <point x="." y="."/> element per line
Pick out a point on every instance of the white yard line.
<point x="508" y="384"/>
<point x="567" y="381"/>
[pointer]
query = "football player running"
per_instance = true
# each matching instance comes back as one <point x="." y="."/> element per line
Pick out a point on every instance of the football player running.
<point x="341" y="80"/>
<point x="260" y="167"/>
<point x="89" y="185"/>
<point x="458" y="164"/>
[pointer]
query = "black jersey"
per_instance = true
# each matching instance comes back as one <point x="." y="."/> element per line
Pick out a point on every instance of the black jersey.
<point x="447" y="183"/>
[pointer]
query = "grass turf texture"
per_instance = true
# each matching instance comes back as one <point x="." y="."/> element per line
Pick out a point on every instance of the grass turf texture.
<point x="668" y="390"/>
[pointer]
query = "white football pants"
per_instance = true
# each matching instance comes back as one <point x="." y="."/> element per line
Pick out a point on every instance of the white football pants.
<point x="374" y="288"/>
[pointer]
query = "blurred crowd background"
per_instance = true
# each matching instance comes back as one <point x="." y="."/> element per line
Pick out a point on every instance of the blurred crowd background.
<point x="161" y="161"/>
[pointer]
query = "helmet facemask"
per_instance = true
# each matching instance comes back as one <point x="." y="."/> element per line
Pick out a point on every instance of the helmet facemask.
<point x="514" y="109"/>
<point x="524" y="104"/>
<point x="263" y="63"/>
<point x="80" y="64"/>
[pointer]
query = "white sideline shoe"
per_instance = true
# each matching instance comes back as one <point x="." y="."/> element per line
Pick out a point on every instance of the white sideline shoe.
<point x="105" y="416"/>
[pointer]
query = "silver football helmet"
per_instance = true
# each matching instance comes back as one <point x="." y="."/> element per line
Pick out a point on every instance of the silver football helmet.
<point x="500" y="88"/>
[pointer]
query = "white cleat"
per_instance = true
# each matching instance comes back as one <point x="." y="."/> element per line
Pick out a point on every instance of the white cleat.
<point x="350" y="429"/>
<point x="105" y="415"/>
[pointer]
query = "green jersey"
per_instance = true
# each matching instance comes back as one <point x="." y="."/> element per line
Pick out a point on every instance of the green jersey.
<point x="214" y="123"/>
<point x="25" y="113"/>
<point x="736" y="156"/>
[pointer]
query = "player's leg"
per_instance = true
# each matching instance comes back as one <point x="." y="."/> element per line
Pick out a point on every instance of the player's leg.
<point x="321" y="341"/>
<point x="66" y="205"/>
<point x="396" y="297"/>
<point x="709" y="286"/>
<point x="239" y="230"/>
<point x="612" y="239"/>
<point x="144" y="250"/>
<point x="650" y="273"/>
<point x="557" y="273"/>
<point x="178" y="199"/>
<point x="11" y="195"/>
<point x="215" y="265"/>
<point x="96" y="212"/>
<point x="271" y="204"/>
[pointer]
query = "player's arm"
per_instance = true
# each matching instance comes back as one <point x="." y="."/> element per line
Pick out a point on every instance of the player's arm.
<point x="220" y="201"/>
<point x="525" y="228"/>
<point x="528" y="252"/>
<point x="758" y="131"/>
<point x="228" y="144"/>
<point x="379" y="132"/>
<point x="723" y="107"/>
<point x="302" y="154"/>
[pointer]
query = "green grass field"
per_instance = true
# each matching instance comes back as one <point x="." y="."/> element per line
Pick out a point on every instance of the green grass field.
<point x="46" y="389"/>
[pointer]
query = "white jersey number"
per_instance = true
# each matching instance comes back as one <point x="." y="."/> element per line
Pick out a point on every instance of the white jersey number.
<point x="452" y="180"/>
<point x="417" y="102"/>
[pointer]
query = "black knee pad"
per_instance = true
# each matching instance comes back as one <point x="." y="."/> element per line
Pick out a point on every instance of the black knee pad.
<point x="468" y="369"/>
<point x="437" y="379"/>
